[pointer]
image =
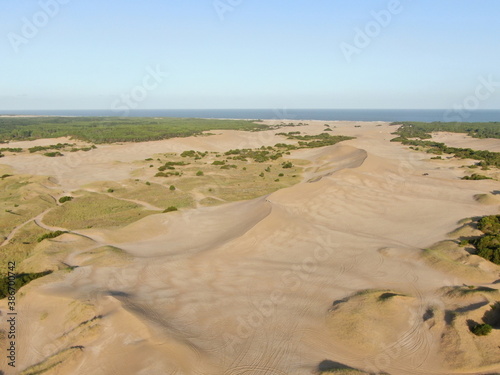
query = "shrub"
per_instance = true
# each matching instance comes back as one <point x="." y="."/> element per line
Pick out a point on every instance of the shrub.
<point x="170" y="209"/>
<point x="172" y="187"/>
<point x="199" y="173"/>
<point x="65" y="199"/>
<point x="475" y="176"/>
<point x="287" y="164"/>
<point x="18" y="281"/>
<point x="481" y="329"/>
<point x="111" y="190"/>
<point x="53" y="154"/>
<point x="281" y="175"/>
<point x="489" y="224"/>
<point x="55" y="234"/>
<point x="190" y="153"/>
<point x="148" y="183"/>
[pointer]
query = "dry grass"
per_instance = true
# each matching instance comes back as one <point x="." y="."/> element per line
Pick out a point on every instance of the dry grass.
<point x="95" y="210"/>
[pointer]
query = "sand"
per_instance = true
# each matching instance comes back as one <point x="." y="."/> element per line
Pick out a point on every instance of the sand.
<point x="331" y="274"/>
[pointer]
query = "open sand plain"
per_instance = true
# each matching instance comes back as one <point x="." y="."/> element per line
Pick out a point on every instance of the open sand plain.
<point x="353" y="269"/>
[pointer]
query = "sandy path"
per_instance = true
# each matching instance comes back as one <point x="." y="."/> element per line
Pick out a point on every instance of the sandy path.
<point x="16" y="229"/>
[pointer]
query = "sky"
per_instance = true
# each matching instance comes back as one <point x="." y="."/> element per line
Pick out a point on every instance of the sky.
<point x="178" y="54"/>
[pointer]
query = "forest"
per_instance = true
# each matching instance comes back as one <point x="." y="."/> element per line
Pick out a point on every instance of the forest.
<point x="422" y="130"/>
<point x="418" y="133"/>
<point x="114" y="129"/>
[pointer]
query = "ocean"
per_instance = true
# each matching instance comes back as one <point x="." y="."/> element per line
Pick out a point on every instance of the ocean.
<point x="425" y="115"/>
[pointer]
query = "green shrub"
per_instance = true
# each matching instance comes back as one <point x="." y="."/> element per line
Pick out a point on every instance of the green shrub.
<point x="481" y="329"/>
<point x="488" y="245"/>
<point x="475" y="176"/>
<point x="65" y="199"/>
<point x="170" y="209"/>
<point x="55" y="234"/>
<point x="110" y="190"/>
<point x="287" y="164"/>
<point x="199" y="173"/>
<point x="172" y="187"/>
<point x="18" y="281"/>
<point x="53" y="154"/>
<point x="489" y="224"/>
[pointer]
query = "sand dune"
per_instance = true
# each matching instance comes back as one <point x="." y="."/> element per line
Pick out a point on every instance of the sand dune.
<point x="336" y="274"/>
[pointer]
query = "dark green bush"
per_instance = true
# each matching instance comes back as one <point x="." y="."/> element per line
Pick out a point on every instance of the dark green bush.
<point x="481" y="329"/>
<point x="65" y="199"/>
<point x="55" y="234"/>
<point x="475" y="176"/>
<point x="53" y="154"/>
<point x="19" y="281"/>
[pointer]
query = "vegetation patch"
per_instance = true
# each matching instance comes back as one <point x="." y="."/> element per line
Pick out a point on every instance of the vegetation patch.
<point x="21" y="199"/>
<point x="17" y="281"/>
<point x="52" y="154"/>
<point x="476" y="176"/>
<point x="22" y="245"/>
<point x="113" y="129"/>
<point x="65" y="199"/>
<point x="58" y="146"/>
<point x="55" y="234"/>
<point x="481" y="329"/>
<point x="420" y="131"/>
<point x="95" y="210"/>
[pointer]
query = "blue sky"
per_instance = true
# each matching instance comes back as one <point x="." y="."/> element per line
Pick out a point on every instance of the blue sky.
<point x="89" y="54"/>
